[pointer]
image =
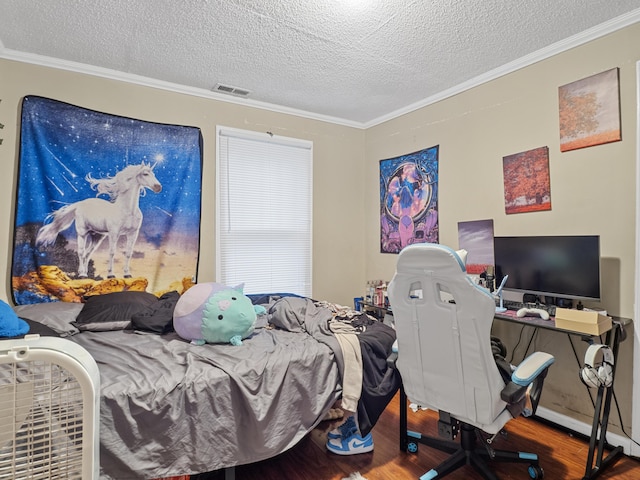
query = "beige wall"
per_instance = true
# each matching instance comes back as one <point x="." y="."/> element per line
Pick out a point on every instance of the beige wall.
<point x="592" y="189"/>
<point x="338" y="267"/>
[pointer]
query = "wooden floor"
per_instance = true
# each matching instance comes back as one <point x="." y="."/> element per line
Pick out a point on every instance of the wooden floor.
<point x="562" y="456"/>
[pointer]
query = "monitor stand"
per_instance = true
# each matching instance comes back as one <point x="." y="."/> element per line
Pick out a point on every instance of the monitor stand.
<point x="501" y="308"/>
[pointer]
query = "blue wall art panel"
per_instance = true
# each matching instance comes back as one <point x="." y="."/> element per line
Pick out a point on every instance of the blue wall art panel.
<point x="409" y="200"/>
<point x="104" y="203"/>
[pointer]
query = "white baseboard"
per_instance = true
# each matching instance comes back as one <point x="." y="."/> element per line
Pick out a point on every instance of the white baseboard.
<point x="583" y="428"/>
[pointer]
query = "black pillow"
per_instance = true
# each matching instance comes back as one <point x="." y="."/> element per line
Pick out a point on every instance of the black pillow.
<point x="112" y="311"/>
<point x="159" y="317"/>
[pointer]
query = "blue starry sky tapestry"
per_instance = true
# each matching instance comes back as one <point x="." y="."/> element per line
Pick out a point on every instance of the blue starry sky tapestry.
<point x="104" y="203"/>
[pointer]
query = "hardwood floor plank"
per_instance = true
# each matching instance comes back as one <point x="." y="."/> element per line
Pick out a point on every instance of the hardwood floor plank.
<point x="562" y="455"/>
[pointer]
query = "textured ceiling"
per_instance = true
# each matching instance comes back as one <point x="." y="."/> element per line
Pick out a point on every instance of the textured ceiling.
<point x="355" y="61"/>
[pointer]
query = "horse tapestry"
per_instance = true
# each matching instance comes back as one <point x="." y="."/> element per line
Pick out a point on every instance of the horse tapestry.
<point x="409" y="200"/>
<point x="104" y="203"/>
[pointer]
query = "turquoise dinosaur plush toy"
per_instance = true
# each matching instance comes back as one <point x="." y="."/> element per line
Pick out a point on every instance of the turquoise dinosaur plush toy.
<point x="215" y="313"/>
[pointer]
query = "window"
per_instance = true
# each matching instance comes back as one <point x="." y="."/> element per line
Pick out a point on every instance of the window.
<point x="263" y="212"/>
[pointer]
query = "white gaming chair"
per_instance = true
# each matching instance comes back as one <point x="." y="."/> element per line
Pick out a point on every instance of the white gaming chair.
<point x="443" y="326"/>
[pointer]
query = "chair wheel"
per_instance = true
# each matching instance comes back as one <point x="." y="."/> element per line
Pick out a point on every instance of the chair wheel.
<point x="412" y="447"/>
<point x="536" y="472"/>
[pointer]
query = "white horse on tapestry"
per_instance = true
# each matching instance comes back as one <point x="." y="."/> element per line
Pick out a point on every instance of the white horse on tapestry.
<point x="97" y="218"/>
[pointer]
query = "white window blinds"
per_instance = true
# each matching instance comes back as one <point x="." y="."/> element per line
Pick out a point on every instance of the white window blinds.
<point x="264" y="207"/>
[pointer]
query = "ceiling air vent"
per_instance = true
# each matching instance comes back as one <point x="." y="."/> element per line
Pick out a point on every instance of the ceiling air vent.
<point x="229" y="90"/>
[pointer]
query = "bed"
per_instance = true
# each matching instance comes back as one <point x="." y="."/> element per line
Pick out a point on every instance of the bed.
<point x="171" y="408"/>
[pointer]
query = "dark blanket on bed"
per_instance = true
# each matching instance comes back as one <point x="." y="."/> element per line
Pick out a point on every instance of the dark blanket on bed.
<point x="379" y="381"/>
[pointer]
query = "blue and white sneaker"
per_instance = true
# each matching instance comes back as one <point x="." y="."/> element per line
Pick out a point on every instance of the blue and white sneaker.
<point x="345" y="430"/>
<point x="351" y="445"/>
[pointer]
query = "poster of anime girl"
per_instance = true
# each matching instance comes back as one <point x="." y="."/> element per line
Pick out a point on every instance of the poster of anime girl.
<point x="409" y="200"/>
<point x="104" y="203"/>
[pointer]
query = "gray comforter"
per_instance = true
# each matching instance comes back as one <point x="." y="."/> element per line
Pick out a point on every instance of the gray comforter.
<point x="171" y="408"/>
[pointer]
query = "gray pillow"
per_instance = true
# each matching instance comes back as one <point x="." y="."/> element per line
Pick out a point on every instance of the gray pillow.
<point x="55" y="315"/>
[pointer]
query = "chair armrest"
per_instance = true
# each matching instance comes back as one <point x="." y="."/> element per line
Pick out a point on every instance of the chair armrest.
<point x="513" y="393"/>
<point x="531" y="367"/>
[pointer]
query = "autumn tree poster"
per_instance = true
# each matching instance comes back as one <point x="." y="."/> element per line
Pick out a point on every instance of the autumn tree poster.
<point x="526" y="181"/>
<point x="590" y="111"/>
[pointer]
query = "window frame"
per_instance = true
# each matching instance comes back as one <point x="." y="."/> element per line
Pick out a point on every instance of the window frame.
<point x="302" y="285"/>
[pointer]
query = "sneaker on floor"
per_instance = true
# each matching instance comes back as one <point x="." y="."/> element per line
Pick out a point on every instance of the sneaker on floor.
<point x="345" y="430"/>
<point x="351" y="445"/>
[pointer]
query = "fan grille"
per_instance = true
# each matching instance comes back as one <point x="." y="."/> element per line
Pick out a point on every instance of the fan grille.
<point x="41" y="422"/>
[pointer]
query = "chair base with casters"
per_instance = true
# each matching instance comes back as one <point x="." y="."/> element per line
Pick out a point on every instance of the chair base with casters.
<point x="471" y="450"/>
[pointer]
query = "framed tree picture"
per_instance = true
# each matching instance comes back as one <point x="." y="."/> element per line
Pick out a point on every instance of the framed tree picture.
<point x="590" y="111"/>
<point x="526" y="181"/>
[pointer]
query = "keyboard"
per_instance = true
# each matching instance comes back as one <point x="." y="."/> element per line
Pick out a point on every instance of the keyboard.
<point x="512" y="305"/>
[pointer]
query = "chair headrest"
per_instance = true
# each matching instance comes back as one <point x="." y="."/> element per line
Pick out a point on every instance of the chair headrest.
<point x="422" y="257"/>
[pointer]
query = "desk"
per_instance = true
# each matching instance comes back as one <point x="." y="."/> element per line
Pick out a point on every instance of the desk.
<point x="596" y="461"/>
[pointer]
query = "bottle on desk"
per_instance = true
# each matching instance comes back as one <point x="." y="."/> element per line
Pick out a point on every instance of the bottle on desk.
<point x="381" y="293"/>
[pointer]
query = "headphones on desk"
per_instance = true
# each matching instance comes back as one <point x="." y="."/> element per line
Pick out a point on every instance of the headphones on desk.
<point x="597" y="374"/>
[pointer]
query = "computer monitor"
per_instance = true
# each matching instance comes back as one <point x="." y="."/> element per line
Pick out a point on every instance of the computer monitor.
<point x="554" y="267"/>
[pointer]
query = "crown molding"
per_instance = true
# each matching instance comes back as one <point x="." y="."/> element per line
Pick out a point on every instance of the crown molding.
<point x="110" y="74"/>
<point x="586" y="36"/>
<point x="542" y="54"/>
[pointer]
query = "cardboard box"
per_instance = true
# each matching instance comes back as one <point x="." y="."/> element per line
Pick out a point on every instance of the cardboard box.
<point x="582" y="321"/>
